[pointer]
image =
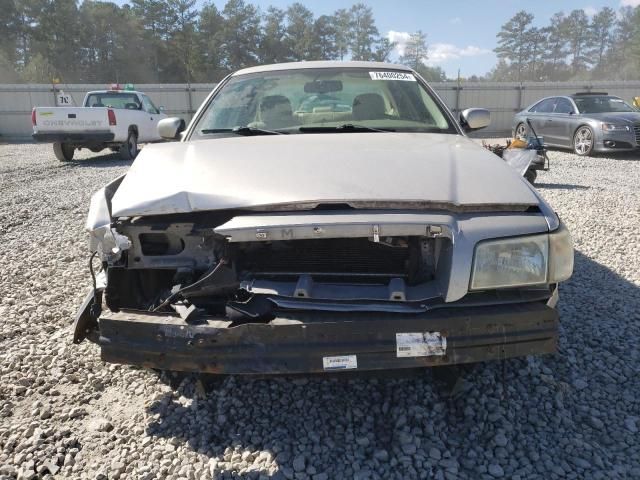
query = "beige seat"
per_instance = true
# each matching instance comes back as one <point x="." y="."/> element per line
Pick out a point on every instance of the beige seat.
<point x="276" y="112"/>
<point x="368" y="106"/>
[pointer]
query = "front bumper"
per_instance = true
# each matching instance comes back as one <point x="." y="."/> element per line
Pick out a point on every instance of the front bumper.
<point x="297" y="342"/>
<point x="616" y="142"/>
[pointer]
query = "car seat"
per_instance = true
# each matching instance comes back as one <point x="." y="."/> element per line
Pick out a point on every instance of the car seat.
<point x="276" y="112"/>
<point x="368" y="106"/>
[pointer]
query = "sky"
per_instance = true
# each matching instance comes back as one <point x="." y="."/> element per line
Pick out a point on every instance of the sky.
<point x="461" y="34"/>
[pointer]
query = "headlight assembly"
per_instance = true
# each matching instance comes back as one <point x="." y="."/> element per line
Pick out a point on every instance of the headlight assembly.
<point x="612" y="127"/>
<point x="523" y="261"/>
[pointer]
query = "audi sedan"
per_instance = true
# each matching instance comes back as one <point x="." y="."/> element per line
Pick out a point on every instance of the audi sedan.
<point x="586" y="122"/>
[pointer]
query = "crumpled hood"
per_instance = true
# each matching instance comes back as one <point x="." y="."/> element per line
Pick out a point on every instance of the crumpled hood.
<point x="277" y="170"/>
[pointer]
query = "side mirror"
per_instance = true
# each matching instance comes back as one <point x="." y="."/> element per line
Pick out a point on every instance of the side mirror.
<point x="161" y="108"/>
<point x="171" y="128"/>
<point x="475" y="118"/>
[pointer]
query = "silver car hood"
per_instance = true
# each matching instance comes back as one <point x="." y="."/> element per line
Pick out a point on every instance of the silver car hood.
<point x="376" y="170"/>
<point x="615" y="117"/>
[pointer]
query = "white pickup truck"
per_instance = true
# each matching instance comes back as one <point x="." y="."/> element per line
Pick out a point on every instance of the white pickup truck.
<point x="116" y="119"/>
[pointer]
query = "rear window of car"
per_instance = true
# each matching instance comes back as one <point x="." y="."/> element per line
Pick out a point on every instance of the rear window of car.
<point x="114" y="100"/>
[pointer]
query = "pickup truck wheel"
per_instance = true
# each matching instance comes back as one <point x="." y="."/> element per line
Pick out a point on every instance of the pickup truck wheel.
<point x="63" y="151"/>
<point x="129" y="149"/>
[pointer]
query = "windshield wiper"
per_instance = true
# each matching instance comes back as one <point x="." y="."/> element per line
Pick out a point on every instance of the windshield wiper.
<point x="345" y="127"/>
<point x="244" y="130"/>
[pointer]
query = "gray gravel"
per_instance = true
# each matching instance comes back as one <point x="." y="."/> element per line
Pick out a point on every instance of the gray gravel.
<point x="65" y="414"/>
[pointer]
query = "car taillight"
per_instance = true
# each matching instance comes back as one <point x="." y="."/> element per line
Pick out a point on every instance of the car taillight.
<point x="112" y="117"/>
<point x="33" y="117"/>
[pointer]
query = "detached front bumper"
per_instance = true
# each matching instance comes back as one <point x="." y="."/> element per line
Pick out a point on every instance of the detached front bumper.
<point x="298" y="342"/>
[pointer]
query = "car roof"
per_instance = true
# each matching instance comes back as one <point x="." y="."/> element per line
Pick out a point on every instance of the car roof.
<point x="321" y="64"/>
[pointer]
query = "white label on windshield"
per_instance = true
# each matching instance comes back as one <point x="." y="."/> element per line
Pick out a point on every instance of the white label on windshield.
<point x="405" y="77"/>
<point x="423" y="344"/>
<point x="342" y="362"/>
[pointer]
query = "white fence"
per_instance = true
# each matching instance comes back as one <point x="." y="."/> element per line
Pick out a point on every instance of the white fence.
<point x="502" y="99"/>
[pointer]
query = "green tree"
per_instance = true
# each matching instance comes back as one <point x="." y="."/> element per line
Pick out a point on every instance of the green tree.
<point x="240" y="36"/>
<point x="299" y="33"/>
<point x="341" y="21"/>
<point x="514" y="42"/>
<point x="156" y="19"/>
<point x="9" y="28"/>
<point x="383" y="49"/>
<point x="183" y="42"/>
<point x="273" y="48"/>
<point x="415" y="52"/>
<point x="602" y="34"/>
<point x="364" y="33"/>
<point x="324" y="33"/>
<point x="536" y="42"/>
<point x="555" y="49"/>
<point x="210" y="27"/>
<point x="579" y="39"/>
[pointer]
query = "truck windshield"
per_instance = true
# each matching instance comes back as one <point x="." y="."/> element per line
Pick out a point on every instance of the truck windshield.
<point x="327" y="99"/>
<point x="602" y="105"/>
<point x="114" y="100"/>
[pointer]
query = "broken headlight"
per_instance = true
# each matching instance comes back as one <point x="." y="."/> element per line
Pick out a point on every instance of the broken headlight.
<point x="522" y="261"/>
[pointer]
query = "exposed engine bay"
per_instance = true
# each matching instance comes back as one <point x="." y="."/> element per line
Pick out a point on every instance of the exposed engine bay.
<point x="195" y="268"/>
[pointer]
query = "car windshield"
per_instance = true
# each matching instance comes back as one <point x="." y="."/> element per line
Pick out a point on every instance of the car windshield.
<point x="328" y="99"/>
<point x="602" y="104"/>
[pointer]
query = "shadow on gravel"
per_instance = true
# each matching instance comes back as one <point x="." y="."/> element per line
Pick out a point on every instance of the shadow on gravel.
<point x="561" y="186"/>
<point x="574" y="413"/>
<point x="98" y="161"/>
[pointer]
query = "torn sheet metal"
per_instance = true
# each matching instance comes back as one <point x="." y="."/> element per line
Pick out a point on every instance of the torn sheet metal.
<point x="105" y="239"/>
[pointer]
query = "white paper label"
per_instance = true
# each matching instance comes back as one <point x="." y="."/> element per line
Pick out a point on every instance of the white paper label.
<point x="64" y="100"/>
<point x="342" y="362"/>
<point x="405" y="77"/>
<point x="423" y="344"/>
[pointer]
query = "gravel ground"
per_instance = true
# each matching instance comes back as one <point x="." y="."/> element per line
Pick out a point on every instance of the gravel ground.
<point x="65" y="414"/>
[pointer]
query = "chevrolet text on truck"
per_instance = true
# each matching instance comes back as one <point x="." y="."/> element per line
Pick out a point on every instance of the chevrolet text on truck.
<point x="322" y="216"/>
<point x="116" y="119"/>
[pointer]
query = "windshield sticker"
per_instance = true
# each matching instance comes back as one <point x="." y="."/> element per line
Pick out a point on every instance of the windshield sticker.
<point x="342" y="362"/>
<point x="423" y="344"/>
<point x="405" y="77"/>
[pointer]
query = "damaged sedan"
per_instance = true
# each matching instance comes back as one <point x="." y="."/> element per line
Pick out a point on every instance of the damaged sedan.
<point x="322" y="216"/>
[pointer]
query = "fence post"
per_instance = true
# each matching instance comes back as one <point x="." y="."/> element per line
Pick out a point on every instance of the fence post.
<point x="520" y="88"/>
<point x="190" y="100"/>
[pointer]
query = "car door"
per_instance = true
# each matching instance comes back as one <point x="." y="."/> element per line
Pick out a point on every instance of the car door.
<point x="539" y="113"/>
<point x="151" y="119"/>
<point x="557" y="129"/>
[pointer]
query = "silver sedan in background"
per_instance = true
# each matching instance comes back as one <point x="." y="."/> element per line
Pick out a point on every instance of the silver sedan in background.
<point x="585" y="122"/>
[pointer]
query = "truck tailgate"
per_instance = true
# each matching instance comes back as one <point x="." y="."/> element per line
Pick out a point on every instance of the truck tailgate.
<point x="70" y="119"/>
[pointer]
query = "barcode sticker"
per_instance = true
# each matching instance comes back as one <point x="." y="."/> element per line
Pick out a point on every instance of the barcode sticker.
<point x="342" y="362"/>
<point x="403" y="76"/>
<point x="420" y="344"/>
